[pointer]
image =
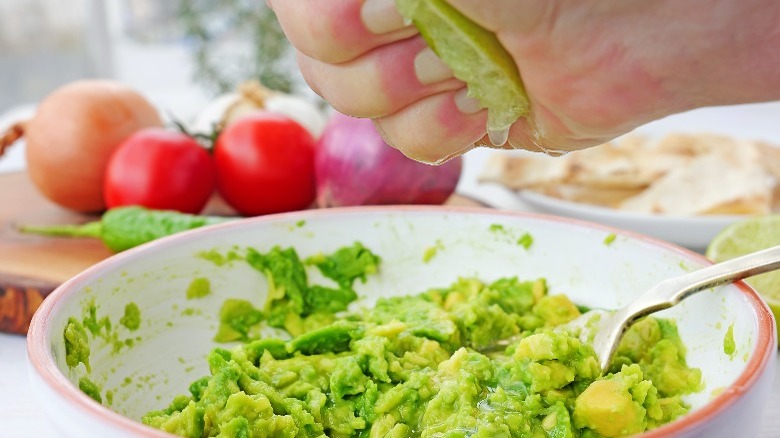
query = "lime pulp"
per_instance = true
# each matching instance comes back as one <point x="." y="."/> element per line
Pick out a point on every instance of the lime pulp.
<point x="746" y="236"/>
<point x="477" y="57"/>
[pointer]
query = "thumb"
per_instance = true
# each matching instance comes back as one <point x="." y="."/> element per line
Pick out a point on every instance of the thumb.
<point x="549" y="135"/>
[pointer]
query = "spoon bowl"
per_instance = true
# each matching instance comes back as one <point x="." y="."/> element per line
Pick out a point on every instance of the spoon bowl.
<point x="604" y="329"/>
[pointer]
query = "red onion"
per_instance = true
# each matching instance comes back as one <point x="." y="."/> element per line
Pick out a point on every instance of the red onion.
<point x="354" y="166"/>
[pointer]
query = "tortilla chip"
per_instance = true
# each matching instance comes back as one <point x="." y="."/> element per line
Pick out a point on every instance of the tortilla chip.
<point x="610" y="197"/>
<point x="680" y="173"/>
<point x="634" y="162"/>
<point x="770" y="157"/>
<point x="693" y="144"/>
<point x="530" y="170"/>
<point x="710" y="184"/>
<point x="606" y="166"/>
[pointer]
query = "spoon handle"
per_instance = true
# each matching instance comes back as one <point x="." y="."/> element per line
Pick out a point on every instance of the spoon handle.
<point x="671" y="291"/>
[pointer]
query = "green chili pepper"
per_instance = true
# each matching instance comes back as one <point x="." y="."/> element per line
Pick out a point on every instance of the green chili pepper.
<point x="126" y="227"/>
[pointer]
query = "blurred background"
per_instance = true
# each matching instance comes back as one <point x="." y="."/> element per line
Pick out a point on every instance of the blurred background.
<point x="179" y="53"/>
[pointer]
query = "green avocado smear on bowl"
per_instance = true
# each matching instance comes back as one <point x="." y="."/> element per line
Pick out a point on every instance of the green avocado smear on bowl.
<point x="411" y="367"/>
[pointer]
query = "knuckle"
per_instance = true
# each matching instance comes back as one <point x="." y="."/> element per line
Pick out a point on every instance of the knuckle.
<point x="322" y="30"/>
<point x="354" y="99"/>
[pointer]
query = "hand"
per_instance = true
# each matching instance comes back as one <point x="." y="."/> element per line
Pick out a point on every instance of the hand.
<point x="592" y="69"/>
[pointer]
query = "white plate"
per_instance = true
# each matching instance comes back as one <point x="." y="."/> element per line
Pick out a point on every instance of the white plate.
<point x="693" y="232"/>
<point x="756" y="121"/>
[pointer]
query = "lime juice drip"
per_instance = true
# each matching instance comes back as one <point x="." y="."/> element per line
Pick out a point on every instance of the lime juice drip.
<point x="498" y="137"/>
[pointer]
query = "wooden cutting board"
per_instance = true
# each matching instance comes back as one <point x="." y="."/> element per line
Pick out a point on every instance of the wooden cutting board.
<point x="32" y="266"/>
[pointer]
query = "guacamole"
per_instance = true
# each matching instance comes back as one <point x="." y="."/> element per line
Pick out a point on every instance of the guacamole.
<point x="198" y="288"/>
<point x="76" y="344"/>
<point x="90" y="388"/>
<point x="729" y="346"/>
<point x="132" y="317"/>
<point x="413" y="367"/>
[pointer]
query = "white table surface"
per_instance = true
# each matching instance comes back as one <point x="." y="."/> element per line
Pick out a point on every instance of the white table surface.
<point x="19" y="416"/>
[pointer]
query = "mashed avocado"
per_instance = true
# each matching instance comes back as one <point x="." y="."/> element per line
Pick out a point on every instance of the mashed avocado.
<point x="198" y="288"/>
<point x="411" y="366"/>
<point x="132" y="317"/>
<point x="729" y="346"/>
<point x="76" y="344"/>
<point x="90" y="388"/>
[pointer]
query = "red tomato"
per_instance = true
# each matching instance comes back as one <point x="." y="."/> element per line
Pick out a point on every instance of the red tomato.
<point x="160" y="169"/>
<point x="265" y="164"/>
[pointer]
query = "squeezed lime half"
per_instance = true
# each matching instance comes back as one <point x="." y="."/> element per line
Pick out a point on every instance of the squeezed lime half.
<point x="746" y="236"/>
<point x="476" y="57"/>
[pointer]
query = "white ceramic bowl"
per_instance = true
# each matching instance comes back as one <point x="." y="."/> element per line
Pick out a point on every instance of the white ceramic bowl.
<point x="693" y="232"/>
<point x="571" y="255"/>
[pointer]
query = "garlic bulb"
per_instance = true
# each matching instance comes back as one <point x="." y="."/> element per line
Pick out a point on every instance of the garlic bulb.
<point x="300" y="110"/>
<point x="252" y="96"/>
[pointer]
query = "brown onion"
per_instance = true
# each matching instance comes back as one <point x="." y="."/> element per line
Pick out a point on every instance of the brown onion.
<point x="73" y="133"/>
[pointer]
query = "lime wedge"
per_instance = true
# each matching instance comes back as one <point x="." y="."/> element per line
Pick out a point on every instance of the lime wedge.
<point x="475" y="56"/>
<point x="751" y="235"/>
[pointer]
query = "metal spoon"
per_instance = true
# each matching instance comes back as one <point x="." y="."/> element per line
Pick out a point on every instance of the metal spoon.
<point x="606" y="328"/>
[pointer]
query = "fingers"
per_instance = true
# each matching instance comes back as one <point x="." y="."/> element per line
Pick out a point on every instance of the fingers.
<point x="337" y="31"/>
<point x="346" y="55"/>
<point x="542" y="131"/>
<point x="510" y="15"/>
<point x="436" y="128"/>
<point x="381" y="82"/>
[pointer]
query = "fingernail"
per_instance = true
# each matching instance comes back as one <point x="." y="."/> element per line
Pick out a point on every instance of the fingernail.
<point x="465" y="103"/>
<point x="381" y="16"/>
<point x="454" y="154"/>
<point x="429" y="68"/>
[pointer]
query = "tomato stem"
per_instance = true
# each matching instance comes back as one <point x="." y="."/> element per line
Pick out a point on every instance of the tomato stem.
<point x="205" y="140"/>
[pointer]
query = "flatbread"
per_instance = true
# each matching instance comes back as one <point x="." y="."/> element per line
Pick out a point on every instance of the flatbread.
<point x="531" y="170"/>
<point x="710" y="184"/>
<point x="634" y="163"/>
<point x="610" y="197"/>
<point x="771" y="162"/>
<point x="680" y="174"/>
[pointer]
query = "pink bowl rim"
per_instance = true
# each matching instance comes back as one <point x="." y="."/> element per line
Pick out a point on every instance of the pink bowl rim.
<point x="42" y="361"/>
